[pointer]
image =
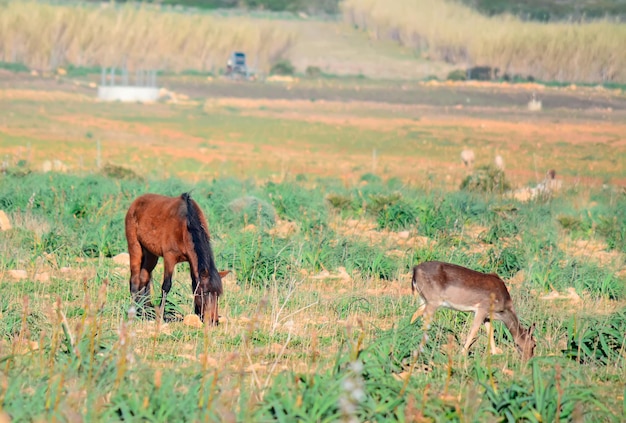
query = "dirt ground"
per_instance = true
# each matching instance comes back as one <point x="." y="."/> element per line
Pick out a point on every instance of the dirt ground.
<point x="418" y="129"/>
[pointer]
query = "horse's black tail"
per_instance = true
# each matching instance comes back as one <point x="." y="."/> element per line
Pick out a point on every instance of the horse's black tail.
<point x="202" y="244"/>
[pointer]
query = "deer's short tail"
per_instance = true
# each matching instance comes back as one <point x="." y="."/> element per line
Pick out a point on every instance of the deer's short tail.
<point x="414" y="280"/>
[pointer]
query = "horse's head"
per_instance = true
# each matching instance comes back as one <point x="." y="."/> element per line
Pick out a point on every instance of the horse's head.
<point x="208" y="290"/>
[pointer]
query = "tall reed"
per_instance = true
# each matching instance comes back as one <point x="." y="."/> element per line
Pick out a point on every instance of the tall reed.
<point x="46" y="36"/>
<point x="560" y="51"/>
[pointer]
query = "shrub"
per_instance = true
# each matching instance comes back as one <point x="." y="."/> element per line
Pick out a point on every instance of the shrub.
<point x="370" y="178"/>
<point x="502" y="228"/>
<point x="120" y="172"/>
<point x="256" y="259"/>
<point x="486" y="179"/>
<point x="14" y="67"/>
<point x="379" y="201"/>
<point x="397" y="216"/>
<point x="295" y="203"/>
<point x="506" y="263"/>
<point x="282" y="67"/>
<point x="613" y="229"/>
<point x="457" y="75"/>
<point x="313" y="71"/>
<point x="370" y="261"/>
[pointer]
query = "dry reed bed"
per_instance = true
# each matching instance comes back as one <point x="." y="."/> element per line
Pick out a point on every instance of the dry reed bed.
<point x="561" y="51"/>
<point x="44" y="37"/>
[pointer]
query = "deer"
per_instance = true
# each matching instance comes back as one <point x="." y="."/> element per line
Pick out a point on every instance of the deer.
<point x="467" y="156"/>
<point x="458" y="288"/>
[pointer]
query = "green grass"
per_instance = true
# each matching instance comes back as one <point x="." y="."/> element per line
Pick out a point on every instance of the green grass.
<point x="363" y="357"/>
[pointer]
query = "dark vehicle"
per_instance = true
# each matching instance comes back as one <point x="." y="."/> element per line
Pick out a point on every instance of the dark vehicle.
<point x="236" y="66"/>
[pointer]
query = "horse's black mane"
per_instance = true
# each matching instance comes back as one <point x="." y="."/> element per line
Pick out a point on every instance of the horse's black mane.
<point x="202" y="245"/>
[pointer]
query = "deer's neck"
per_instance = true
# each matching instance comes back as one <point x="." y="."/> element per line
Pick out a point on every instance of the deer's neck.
<point x="514" y="326"/>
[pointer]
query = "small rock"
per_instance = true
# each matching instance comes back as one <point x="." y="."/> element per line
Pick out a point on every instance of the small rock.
<point x="65" y="269"/>
<point x="5" y="417"/>
<point x="46" y="166"/>
<point x="249" y="228"/>
<point x="59" y="166"/>
<point x="123" y="259"/>
<point x="5" y="224"/>
<point x="205" y="359"/>
<point x="403" y="234"/>
<point x="18" y="274"/>
<point x="192" y="320"/>
<point x="42" y="277"/>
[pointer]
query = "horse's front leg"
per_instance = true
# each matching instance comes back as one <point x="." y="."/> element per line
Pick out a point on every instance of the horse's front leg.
<point x="204" y="301"/>
<point x="198" y="302"/>
<point x="212" y="308"/>
<point x="169" y="262"/>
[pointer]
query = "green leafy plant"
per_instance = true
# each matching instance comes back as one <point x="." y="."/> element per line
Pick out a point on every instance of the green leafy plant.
<point x="597" y="340"/>
<point x="549" y="396"/>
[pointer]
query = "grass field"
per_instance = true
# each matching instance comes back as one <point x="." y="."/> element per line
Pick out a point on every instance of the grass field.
<point x="320" y="196"/>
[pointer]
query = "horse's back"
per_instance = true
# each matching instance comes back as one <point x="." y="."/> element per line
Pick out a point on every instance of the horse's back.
<point x="157" y="221"/>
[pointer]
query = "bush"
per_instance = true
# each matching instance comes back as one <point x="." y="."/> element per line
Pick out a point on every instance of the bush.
<point x="507" y="262"/>
<point x="371" y="178"/>
<point x="14" y="67"/>
<point x="282" y="67"/>
<point x="313" y="71"/>
<point x="339" y="201"/>
<point x="457" y="75"/>
<point x="256" y="259"/>
<point x="486" y="179"/>
<point x="120" y="172"/>
<point x="397" y="216"/>
<point x="501" y="229"/>
<point x="370" y="261"/>
<point x="295" y="203"/>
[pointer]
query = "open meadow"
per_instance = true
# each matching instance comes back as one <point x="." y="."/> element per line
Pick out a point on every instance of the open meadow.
<point x="319" y="200"/>
<point x="322" y="190"/>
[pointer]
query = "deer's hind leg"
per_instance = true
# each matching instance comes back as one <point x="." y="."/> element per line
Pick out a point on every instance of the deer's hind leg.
<point x="419" y="312"/>
<point x="479" y="318"/>
<point x="427" y="310"/>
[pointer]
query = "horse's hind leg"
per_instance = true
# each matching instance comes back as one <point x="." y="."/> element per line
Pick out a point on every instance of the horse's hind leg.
<point x="148" y="263"/>
<point x="169" y="262"/>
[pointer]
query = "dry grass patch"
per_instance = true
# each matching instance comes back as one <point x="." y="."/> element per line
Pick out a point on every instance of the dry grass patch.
<point x="44" y="36"/>
<point x="447" y="31"/>
<point x="593" y="250"/>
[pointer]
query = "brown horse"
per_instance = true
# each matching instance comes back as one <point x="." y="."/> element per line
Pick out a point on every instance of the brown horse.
<point x="173" y="228"/>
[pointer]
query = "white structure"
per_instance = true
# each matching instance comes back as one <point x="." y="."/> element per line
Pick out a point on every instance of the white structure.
<point x="128" y="93"/>
<point x="143" y="90"/>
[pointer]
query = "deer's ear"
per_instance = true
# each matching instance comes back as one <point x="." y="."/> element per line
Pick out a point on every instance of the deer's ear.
<point x="223" y="273"/>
